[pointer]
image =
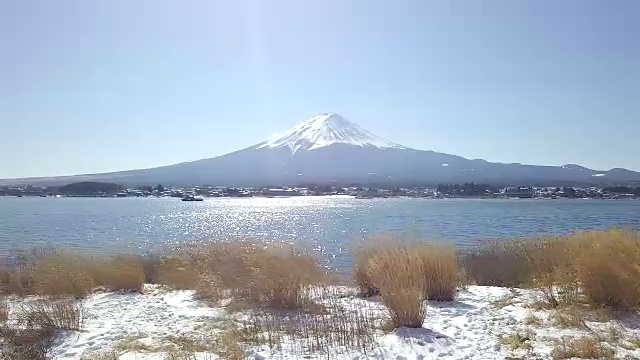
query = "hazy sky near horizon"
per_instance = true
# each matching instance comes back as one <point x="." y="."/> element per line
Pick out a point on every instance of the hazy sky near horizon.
<point x="96" y="86"/>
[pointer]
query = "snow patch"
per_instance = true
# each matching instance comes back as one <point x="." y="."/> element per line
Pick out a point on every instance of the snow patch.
<point x="598" y="175"/>
<point x="469" y="328"/>
<point x="150" y="317"/>
<point x="445" y="165"/>
<point x="324" y="130"/>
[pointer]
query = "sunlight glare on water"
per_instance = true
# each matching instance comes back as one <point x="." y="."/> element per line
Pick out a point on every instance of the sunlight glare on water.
<point x="330" y="226"/>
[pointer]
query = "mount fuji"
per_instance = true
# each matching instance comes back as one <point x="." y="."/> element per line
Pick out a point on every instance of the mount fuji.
<point x="328" y="149"/>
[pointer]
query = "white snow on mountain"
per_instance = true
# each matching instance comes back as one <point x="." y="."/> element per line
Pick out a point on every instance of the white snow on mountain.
<point x="324" y="130"/>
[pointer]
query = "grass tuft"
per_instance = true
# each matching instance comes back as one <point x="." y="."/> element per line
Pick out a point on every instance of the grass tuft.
<point x="100" y="355"/>
<point x="581" y="348"/>
<point x="518" y="340"/>
<point x="398" y="274"/>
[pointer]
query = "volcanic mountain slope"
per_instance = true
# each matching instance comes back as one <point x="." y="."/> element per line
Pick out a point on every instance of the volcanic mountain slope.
<point x="329" y="149"/>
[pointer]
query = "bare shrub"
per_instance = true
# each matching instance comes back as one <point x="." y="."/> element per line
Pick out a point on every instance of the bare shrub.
<point x="59" y="314"/>
<point x="26" y="343"/>
<point x="581" y="348"/>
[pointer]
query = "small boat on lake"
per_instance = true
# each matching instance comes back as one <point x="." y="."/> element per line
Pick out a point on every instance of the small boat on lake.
<point x="192" y="198"/>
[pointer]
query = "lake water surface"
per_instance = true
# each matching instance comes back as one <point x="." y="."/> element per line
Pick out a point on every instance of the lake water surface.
<point x="330" y="225"/>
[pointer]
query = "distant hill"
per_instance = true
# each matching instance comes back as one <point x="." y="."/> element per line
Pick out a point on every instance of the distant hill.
<point x="328" y="149"/>
<point x="90" y="188"/>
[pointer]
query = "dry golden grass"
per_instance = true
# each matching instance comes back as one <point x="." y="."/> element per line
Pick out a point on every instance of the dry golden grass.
<point x="405" y="275"/>
<point x="581" y="348"/>
<point x="599" y="268"/>
<point x="568" y="318"/>
<point x="61" y="273"/>
<point x="100" y="355"/>
<point x="399" y="274"/>
<point x="132" y="344"/>
<point x="607" y="267"/>
<point x="120" y="273"/>
<point x="438" y="266"/>
<point x="440" y="270"/>
<point x="179" y="271"/>
<point x="514" y="269"/>
<point x="518" y="340"/>
<point x="361" y="262"/>
<point x="252" y="274"/>
<point x="533" y="320"/>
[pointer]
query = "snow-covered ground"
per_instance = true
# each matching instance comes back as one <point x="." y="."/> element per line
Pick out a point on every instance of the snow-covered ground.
<point x="478" y="325"/>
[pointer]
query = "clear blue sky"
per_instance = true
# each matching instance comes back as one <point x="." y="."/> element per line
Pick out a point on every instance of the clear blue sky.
<point x="92" y="86"/>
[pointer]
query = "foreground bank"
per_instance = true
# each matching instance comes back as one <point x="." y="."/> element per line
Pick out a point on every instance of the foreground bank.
<point x="558" y="298"/>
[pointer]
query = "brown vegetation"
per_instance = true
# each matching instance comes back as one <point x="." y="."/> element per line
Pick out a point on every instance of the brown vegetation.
<point x="398" y="273"/>
<point x="32" y="335"/>
<point x="100" y="355"/>
<point x="252" y="274"/>
<point x="405" y="275"/>
<point x="55" y="313"/>
<point x="339" y="326"/>
<point x="599" y="268"/>
<point x="60" y="273"/>
<point x="581" y="348"/>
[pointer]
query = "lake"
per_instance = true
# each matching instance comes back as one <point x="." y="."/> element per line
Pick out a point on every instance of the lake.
<point x="328" y="225"/>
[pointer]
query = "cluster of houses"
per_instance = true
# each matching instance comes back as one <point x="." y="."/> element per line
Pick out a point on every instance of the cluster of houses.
<point x="447" y="191"/>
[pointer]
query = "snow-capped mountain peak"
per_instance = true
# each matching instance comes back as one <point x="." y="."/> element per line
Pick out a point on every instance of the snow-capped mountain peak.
<point x="324" y="130"/>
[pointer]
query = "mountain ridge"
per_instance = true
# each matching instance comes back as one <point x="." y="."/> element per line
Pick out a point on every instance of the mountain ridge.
<point x="328" y="148"/>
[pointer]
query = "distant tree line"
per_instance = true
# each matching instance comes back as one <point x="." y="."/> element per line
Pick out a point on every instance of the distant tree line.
<point x="151" y="188"/>
<point x="90" y="188"/>
<point x="622" y="190"/>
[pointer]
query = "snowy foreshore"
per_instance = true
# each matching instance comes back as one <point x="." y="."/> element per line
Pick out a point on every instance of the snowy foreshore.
<point x="483" y="323"/>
